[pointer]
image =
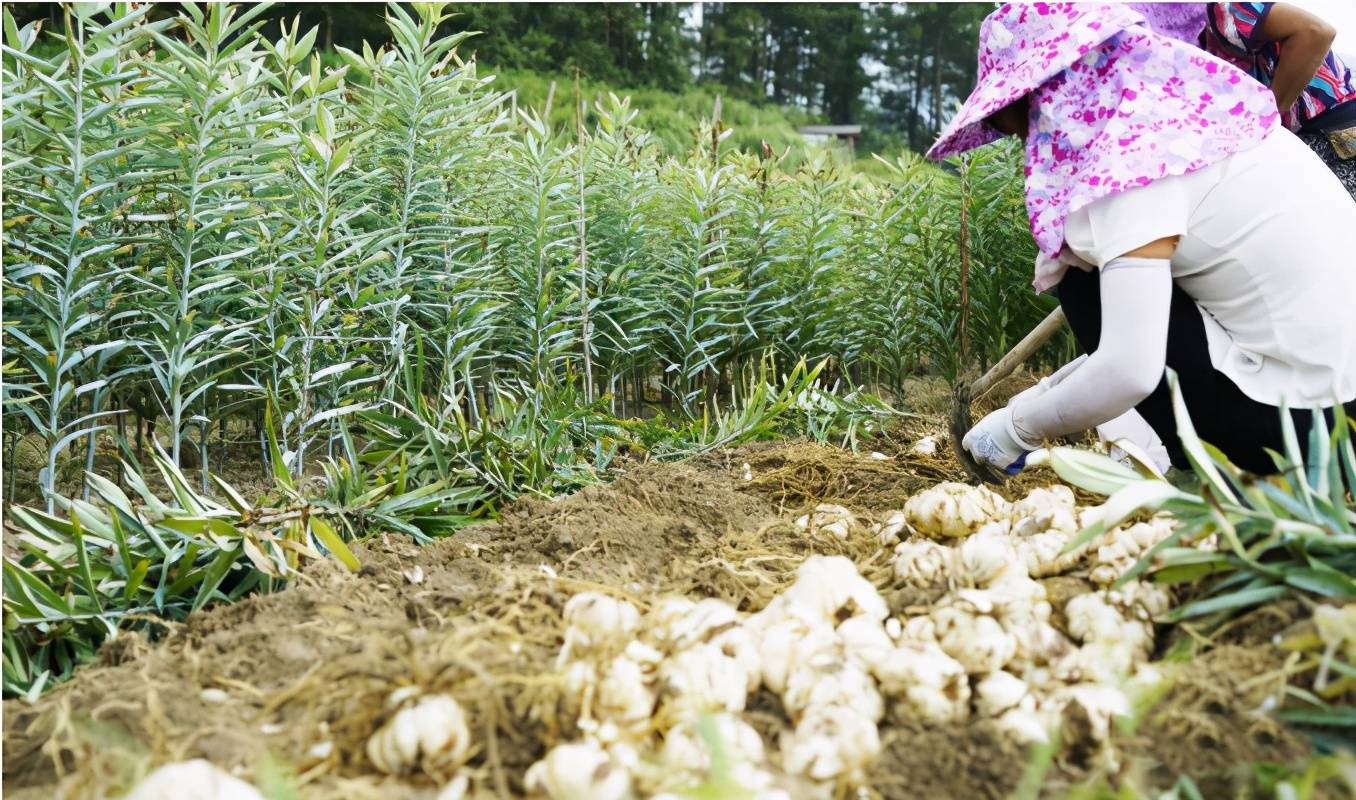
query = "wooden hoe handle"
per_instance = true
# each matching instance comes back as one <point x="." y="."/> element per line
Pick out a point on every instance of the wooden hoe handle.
<point x="1030" y="343"/>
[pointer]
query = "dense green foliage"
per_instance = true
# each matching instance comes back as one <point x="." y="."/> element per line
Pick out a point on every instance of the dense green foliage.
<point x="1293" y="535"/>
<point x="388" y="272"/>
<point x="198" y="222"/>
<point x="671" y="120"/>
<point x="894" y="67"/>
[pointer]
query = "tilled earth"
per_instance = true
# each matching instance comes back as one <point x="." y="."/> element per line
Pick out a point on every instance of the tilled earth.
<point x="284" y="689"/>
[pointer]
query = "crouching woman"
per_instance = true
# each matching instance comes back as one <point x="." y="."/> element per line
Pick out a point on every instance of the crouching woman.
<point x="1180" y="225"/>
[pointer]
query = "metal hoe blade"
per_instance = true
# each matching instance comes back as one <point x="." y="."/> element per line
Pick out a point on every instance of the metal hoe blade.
<point x="960" y="425"/>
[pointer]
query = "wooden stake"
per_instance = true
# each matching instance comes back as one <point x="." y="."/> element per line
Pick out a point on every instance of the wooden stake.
<point x="964" y="272"/>
<point x="583" y="245"/>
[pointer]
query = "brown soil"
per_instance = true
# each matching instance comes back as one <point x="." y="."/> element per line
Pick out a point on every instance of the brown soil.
<point x="256" y="686"/>
<point x="1212" y="717"/>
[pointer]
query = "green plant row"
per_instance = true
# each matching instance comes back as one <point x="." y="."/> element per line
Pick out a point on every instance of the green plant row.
<point x="201" y="220"/>
<point x="128" y="559"/>
<point x="123" y="560"/>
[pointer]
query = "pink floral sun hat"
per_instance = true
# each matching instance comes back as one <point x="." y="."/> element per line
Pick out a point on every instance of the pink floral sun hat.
<point x="1113" y="106"/>
<point x="1020" y="47"/>
<point x="1181" y="21"/>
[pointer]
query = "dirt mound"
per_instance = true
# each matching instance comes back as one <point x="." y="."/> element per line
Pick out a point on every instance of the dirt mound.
<point x="960" y="761"/>
<point x="286" y="688"/>
<point x="797" y="476"/>
<point x="1213" y="718"/>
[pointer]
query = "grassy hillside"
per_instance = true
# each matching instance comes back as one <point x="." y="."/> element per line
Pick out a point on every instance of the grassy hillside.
<point x="673" y="118"/>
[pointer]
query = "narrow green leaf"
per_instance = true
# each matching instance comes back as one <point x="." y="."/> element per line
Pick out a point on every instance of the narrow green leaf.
<point x="333" y="542"/>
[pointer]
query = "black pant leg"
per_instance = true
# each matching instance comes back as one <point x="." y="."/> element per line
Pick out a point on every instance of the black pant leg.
<point x="1080" y="296"/>
<point x="1222" y="414"/>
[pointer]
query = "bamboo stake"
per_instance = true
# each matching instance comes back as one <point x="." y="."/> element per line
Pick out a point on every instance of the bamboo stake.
<point x="964" y="272"/>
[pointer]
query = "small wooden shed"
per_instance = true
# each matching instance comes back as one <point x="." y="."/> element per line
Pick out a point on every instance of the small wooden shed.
<point x="819" y="134"/>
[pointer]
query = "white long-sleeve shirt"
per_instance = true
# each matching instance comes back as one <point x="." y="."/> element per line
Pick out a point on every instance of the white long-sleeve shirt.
<point x="1267" y="249"/>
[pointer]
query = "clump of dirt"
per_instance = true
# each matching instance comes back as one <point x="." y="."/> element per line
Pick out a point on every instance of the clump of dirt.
<point x="1214" y="717"/>
<point x="798" y="476"/>
<point x="635" y="528"/>
<point x="793" y="477"/>
<point x="958" y="761"/>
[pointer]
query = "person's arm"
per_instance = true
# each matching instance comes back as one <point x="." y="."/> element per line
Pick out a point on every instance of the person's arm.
<point x="1136" y="295"/>
<point x="1304" y="41"/>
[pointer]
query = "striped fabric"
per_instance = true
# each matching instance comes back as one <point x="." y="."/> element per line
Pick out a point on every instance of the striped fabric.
<point x="1234" y="33"/>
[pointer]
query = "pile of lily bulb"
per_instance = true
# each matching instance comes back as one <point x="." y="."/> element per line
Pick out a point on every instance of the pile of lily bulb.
<point x="655" y="691"/>
<point x="659" y="697"/>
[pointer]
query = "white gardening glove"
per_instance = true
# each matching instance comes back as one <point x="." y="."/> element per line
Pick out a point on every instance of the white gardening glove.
<point x="995" y="442"/>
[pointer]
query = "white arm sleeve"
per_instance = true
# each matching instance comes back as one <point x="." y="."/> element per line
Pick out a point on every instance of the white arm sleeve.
<point x="1049" y="381"/>
<point x="1136" y="295"/>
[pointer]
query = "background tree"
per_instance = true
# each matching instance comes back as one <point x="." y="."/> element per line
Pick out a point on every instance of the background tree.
<point x="896" y="68"/>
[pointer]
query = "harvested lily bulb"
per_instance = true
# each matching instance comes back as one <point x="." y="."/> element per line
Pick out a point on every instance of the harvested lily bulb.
<point x="686" y="750"/>
<point x="865" y="641"/>
<point x="1038" y="642"/>
<point x="1106" y="573"/>
<point x="430" y="730"/>
<point x="830" y="681"/>
<point x="1102" y="704"/>
<point x="978" y="642"/>
<point x="997" y="692"/>
<point x="740" y="644"/>
<point x="706" y="618"/>
<point x="952" y="510"/>
<point x="596" y="620"/>
<point x="889" y="530"/>
<point x="1027" y="726"/>
<point x="624" y="696"/>
<point x="666" y="619"/>
<point x="1096" y="662"/>
<point x="199" y="776"/>
<point x="1141" y="600"/>
<point x="1091" y="618"/>
<point x="647" y="657"/>
<point x="830" y="588"/>
<point x="919" y="630"/>
<point x="926" y="446"/>
<point x="1013" y="594"/>
<point x="578" y="685"/>
<point x="830" y="741"/>
<point x="456" y="788"/>
<point x="790" y="641"/>
<point x="583" y="771"/>
<point x="1122" y="547"/>
<point x="922" y="562"/>
<point x="988" y="556"/>
<point x="1044" y="553"/>
<point x="1047" y="509"/>
<point x="932" y="685"/>
<point x="705" y="679"/>
<point x="828" y="518"/>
